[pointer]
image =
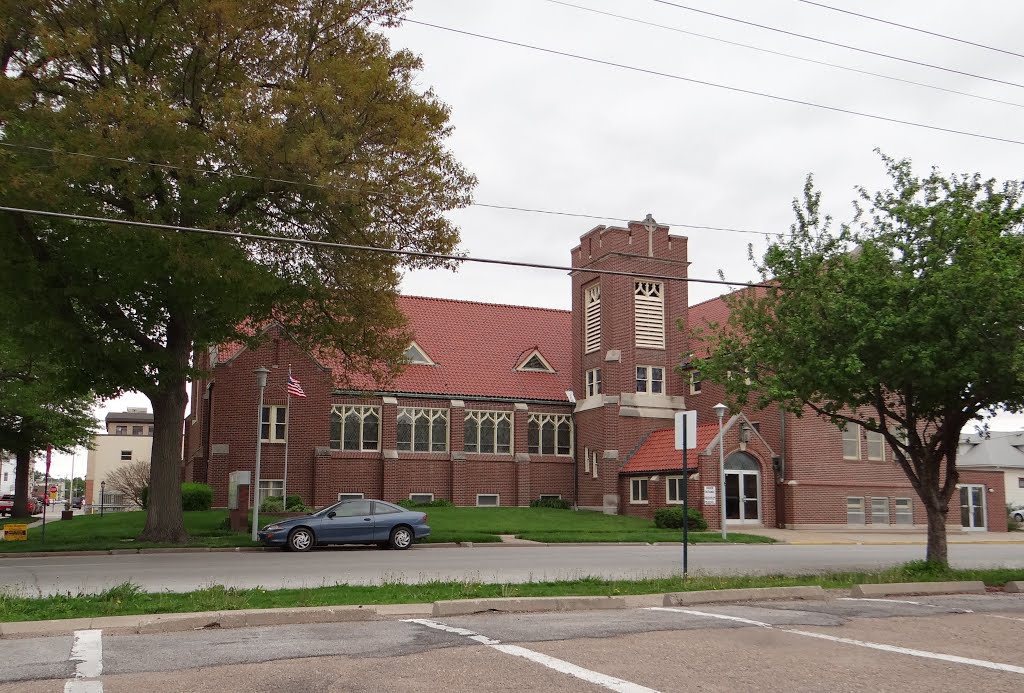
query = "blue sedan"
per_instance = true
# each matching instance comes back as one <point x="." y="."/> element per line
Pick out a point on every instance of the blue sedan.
<point x="349" y="522"/>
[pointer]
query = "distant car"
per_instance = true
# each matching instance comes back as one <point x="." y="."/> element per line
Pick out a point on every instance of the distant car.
<point x="7" y="504"/>
<point x="1017" y="514"/>
<point x="77" y="501"/>
<point x="349" y="522"/>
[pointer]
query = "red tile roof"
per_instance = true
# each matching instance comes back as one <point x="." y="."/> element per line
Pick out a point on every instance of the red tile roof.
<point x="658" y="451"/>
<point x="476" y="348"/>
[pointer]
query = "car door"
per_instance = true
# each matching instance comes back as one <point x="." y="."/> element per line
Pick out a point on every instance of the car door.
<point x="348" y="523"/>
<point x="385" y="517"/>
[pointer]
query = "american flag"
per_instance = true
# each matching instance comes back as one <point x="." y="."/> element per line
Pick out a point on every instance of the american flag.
<point x="294" y="389"/>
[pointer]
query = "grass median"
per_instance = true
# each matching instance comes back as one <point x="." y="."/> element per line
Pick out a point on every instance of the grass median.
<point x="478" y="525"/>
<point x="128" y="599"/>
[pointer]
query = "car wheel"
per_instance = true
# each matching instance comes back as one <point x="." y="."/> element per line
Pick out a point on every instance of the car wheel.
<point x="401" y="538"/>
<point x="1019" y="517"/>
<point x="301" y="539"/>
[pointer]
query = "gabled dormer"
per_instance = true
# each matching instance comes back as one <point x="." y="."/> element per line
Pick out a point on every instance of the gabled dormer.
<point x="415" y="356"/>
<point x="535" y="363"/>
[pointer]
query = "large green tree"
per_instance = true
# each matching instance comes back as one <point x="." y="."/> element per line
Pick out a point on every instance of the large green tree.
<point x="38" y="407"/>
<point x="908" y="321"/>
<point x="289" y="118"/>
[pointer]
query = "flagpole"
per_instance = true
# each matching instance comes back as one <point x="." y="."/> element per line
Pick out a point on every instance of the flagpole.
<point x="287" y="435"/>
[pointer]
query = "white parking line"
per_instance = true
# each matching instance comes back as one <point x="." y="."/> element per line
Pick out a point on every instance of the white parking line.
<point x="904" y="601"/>
<point x="87" y="650"/>
<point x="560" y="665"/>
<point x="998" y="666"/>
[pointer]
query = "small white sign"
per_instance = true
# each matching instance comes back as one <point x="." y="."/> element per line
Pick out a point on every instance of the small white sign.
<point x="710" y="495"/>
<point x="686" y="421"/>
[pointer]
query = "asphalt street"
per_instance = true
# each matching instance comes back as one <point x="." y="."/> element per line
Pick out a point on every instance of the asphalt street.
<point x="179" y="572"/>
<point x="912" y="644"/>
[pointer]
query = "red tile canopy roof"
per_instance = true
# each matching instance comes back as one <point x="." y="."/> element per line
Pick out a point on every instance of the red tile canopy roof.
<point x="658" y="451"/>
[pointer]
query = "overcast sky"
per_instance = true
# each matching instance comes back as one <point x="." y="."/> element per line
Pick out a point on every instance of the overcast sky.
<point x="551" y="132"/>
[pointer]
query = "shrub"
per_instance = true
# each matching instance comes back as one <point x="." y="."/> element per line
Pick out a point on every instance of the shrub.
<point x="293" y="500"/>
<point x="144" y="497"/>
<point x="672" y="518"/>
<point x="299" y="509"/>
<point x="556" y="503"/>
<point x="196" y="496"/>
<point x="272" y="504"/>
<point x="437" y="503"/>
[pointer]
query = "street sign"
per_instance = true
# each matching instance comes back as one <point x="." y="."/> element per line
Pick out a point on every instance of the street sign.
<point x="53" y="489"/>
<point x="14" y="532"/>
<point x="687" y="419"/>
<point x="710" y="495"/>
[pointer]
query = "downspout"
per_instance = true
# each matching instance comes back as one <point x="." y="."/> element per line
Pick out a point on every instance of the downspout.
<point x="780" y="475"/>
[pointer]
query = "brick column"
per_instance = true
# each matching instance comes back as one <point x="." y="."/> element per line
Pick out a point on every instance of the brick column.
<point x="523" y="496"/>
<point x="458" y="475"/>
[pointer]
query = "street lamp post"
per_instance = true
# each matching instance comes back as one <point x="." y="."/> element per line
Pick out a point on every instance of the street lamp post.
<point x="103" y="490"/>
<point x="720" y="410"/>
<point x="261" y="383"/>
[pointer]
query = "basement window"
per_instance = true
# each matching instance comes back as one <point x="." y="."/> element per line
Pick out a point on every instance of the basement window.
<point x="485" y="500"/>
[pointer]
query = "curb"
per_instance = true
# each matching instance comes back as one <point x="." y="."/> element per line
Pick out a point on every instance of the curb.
<point x="903" y="588"/>
<point x="247" y="618"/>
<point x="744" y="595"/>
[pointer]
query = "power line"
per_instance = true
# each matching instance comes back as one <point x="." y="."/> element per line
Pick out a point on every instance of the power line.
<point x="782" y="54"/>
<point x="656" y="73"/>
<point x="364" y="248"/>
<point x="834" y="43"/>
<point x="383" y="193"/>
<point x="912" y="28"/>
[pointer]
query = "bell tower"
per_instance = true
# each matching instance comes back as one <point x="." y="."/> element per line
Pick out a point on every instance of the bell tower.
<point x="628" y="339"/>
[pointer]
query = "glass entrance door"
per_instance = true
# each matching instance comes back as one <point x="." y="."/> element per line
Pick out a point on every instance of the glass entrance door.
<point x="743" y="496"/>
<point x="972" y="506"/>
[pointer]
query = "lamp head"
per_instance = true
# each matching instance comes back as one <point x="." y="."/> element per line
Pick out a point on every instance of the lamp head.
<point x="261" y="376"/>
<point x="720" y="410"/>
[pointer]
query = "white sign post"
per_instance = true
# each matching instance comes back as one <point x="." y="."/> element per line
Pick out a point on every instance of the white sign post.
<point x="686" y="438"/>
<point x="710" y="495"/>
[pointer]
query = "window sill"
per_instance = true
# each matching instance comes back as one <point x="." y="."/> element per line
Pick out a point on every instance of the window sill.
<point x="633" y="502"/>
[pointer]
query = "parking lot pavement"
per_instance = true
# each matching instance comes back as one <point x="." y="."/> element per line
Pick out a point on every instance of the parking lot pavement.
<point x="907" y="644"/>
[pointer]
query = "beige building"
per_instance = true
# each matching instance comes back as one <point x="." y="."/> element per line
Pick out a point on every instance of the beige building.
<point x="1001" y="451"/>
<point x="128" y="438"/>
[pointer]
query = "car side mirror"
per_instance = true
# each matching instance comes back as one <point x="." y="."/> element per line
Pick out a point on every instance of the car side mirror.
<point x="331" y="514"/>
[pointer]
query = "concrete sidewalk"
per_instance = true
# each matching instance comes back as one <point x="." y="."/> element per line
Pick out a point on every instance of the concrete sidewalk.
<point x="868" y="537"/>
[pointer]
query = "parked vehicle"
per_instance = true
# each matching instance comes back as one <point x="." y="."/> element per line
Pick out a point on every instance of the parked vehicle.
<point x="1018" y="514"/>
<point x="349" y="522"/>
<point x="7" y="504"/>
<point x="77" y="501"/>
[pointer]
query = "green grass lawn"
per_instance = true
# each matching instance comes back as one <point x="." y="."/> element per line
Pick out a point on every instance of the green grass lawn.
<point x="559" y="526"/>
<point x="126" y="599"/>
<point x="478" y="525"/>
<point x="118" y="531"/>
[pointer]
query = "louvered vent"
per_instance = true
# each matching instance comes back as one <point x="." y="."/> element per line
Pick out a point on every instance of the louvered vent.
<point x="592" y="319"/>
<point x="649" y="315"/>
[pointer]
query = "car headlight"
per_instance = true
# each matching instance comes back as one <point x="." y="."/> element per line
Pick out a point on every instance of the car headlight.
<point x="272" y="528"/>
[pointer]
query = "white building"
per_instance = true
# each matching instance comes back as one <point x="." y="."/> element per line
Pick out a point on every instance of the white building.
<point x="128" y="438"/>
<point x="1001" y="451"/>
<point x="6" y="473"/>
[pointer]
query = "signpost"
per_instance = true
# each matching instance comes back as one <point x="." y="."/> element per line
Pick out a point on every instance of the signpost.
<point x="686" y="438"/>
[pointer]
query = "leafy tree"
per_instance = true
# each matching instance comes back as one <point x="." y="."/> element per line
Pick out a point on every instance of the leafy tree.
<point x="908" y="321"/>
<point x="287" y="118"/>
<point x="130" y="480"/>
<point x="37" y="407"/>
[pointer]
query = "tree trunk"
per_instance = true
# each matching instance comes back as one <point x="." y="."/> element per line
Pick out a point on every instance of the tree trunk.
<point x="164" y="519"/>
<point x="936" y="551"/>
<point x="22" y="483"/>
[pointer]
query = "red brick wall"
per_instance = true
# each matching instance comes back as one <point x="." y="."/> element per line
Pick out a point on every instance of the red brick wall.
<point x="318" y="478"/>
